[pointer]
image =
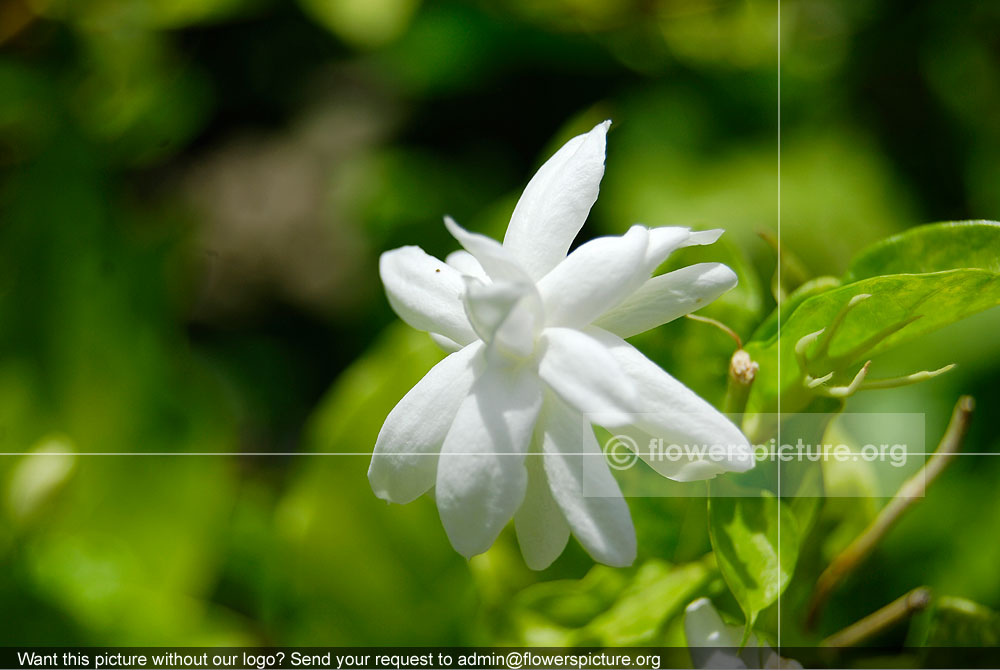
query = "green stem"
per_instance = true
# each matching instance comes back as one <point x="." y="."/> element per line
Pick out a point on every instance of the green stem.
<point x="898" y="610"/>
<point x="909" y="493"/>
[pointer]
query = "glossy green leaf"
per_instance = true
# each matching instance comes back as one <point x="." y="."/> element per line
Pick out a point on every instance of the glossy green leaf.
<point x="769" y="327"/>
<point x="919" y="281"/>
<point x="932" y="248"/>
<point x="933" y="300"/>
<point x="756" y="544"/>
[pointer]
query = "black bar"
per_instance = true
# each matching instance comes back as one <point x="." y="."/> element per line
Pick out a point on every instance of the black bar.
<point x="469" y="658"/>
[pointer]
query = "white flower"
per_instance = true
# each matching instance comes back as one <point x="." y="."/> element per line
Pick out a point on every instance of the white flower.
<point x="713" y="644"/>
<point x="537" y="341"/>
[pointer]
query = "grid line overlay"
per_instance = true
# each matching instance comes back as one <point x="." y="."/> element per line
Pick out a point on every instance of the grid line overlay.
<point x="778" y="300"/>
<point x="367" y="454"/>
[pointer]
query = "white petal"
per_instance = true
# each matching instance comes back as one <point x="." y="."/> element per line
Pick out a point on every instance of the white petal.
<point x="404" y="463"/>
<point x="542" y="530"/>
<point x="446" y="343"/>
<point x="703" y="627"/>
<point x="505" y="314"/>
<point x="426" y="293"/>
<point x="481" y="478"/>
<point x="714" y="644"/>
<point x="584" y="374"/>
<point x="674" y="413"/>
<point x="556" y="202"/>
<point x="678" y="460"/>
<point x="594" y="278"/>
<point x="465" y="263"/>
<point x="667" y="297"/>
<point x="702" y="237"/>
<point x="710" y="642"/>
<point x="584" y="487"/>
<point x="499" y="263"/>
<point x="665" y="240"/>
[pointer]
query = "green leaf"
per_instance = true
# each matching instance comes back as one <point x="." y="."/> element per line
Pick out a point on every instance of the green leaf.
<point x="932" y="248"/>
<point x="769" y="328"/>
<point x="935" y="275"/>
<point x="609" y="606"/>
<point x="658" y="592"/>
<point x="572" y="603"/>
<point x="934" y="300"/>
<point x="755" y="538"/>
<point x="957" y="622"/>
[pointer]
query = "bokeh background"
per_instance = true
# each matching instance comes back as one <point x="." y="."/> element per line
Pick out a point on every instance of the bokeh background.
<point x="194" y="197"/>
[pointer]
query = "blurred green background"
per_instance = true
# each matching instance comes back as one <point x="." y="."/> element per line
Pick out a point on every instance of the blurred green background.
<point x="194" y="196"/>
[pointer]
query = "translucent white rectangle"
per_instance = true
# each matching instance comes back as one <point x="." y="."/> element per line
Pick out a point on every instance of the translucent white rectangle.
<point x="813" y="455"/>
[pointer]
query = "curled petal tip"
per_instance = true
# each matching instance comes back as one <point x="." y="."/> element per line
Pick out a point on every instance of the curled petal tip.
<point x="703" y="237"/>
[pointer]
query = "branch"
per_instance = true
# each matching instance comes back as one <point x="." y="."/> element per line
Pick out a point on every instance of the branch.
<point x="909" y="493"/>
<point x="896" y="611"/>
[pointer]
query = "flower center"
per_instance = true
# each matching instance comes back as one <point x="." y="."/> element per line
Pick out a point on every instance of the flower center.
<point x="506" y="315"/>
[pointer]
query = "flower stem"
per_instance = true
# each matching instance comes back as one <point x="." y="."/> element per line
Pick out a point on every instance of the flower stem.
<point x="909" y="493"/>
<point x="883" y="619"/>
